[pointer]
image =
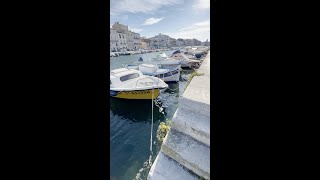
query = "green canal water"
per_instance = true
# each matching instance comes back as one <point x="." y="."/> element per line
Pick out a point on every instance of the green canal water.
<point x="130" y="124"/>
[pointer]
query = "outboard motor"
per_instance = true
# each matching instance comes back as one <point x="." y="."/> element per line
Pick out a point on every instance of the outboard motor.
<point x="198" y="56"/>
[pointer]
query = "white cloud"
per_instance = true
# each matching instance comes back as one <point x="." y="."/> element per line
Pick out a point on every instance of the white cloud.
<point x="197" y="25"/>
<point x="144" y="6"/>
<point x="124" y="17"/>
<point x="202" y="4"/>
<point x="152" y="20"/>
<point x="203" y="23"/>
<point x="200" y="31"/>
<point x="119" y="17"/>
<point x="137" y="30"/>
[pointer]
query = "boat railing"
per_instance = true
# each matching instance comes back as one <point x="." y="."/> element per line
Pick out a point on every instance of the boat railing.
<point x="113" y="73"/>
<point x="154" y="83"/>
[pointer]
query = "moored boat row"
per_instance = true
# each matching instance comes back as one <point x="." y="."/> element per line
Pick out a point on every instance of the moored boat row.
<point x="140" y="51"/>
<point x="147" y="79"/>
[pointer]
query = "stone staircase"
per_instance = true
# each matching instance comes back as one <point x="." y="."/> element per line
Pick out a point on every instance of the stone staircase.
<point x="185" y="152"/>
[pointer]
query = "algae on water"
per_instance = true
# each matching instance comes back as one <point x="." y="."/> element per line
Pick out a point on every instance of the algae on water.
<point x="195" y="73"/>
<point x="163" y="130"/>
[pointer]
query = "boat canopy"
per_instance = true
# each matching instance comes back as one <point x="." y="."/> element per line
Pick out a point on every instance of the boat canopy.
<point x="163" y="55"/>
<point x="148" y="68"/>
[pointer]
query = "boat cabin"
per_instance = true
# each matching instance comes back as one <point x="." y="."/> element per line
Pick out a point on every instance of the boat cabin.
<point x="118" y="76"/>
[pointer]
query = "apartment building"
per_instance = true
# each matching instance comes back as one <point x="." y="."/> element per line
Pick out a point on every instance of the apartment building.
<point x="196" y="42"/>
<point x="180" y="42"/>
<point x="145" y="43"/>
<point x="172" y="42"/>
<point x="160" y="41"/>
<point x="114" y="40"/>
<point x="206" y="43"/>
<point x="122" y="39"/>
<point x="136" y="41"/>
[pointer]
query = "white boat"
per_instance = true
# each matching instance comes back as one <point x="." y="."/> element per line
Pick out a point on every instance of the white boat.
<point x="167" y="75"/>
<point x="163" y="55"/>
<point x="132" y="84"/>
<point x="160" y="57"/>
<point x="113" y="54"/>
<point x="165" y="63"/>
<point x="185" y="61"/>
<point x="177" y="57"/>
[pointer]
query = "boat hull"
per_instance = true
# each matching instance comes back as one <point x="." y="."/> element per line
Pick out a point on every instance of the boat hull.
<point x="166" y="64"/>
<point x="169" y="66"/>
<point x="172" y="76"/>
<point x="185" y="64"/>
<point x="136" y="94"/>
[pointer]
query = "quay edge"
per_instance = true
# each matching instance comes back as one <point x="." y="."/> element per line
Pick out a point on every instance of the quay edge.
<point x="185" y="152"/>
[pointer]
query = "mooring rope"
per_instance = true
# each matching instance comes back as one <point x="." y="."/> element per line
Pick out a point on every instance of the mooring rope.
<point x="148" y="163"/>
<point x="151" y="153"/>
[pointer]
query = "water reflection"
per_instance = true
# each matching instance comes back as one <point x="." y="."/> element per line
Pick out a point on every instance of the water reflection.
<point x="135" y="110"/>
<point x="173" y="87"/>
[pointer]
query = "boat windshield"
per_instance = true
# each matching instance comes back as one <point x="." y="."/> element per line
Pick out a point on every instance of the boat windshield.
<point x="129" y="76"/>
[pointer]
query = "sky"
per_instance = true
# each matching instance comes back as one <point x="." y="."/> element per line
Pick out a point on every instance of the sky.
<point x="175" y="18"/>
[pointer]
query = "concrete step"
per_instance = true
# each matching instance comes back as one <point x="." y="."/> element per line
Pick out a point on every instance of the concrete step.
<point x="188" y="152"/>
<point x="165" y="168"/>
<point x="192" y="124"/>
<point x="197" y="96"/>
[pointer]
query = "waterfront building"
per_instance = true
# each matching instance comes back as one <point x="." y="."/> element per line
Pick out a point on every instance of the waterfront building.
<point x="196" y="42"/>
<point x="145" y="43"/>
<point x="136" y="41"/>
<point x="154" y="43"/>
<point x="122" y="39"/>
<point x="165" y="41"/>
<point x="206" y="43"/>
<point x="123" y="44"/>
<point x="180" y="42"/>
<point x="114" y="40"/>
<point x="188" y="42"/>
<point x="120" y="27"/>
<point x="118" y="41"/>
<point x="160" y="41"/>
<point x="172" y="42"/>
<point x="129" y="40"/>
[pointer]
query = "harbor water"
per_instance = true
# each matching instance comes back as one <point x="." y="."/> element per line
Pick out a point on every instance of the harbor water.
<point x="130" y="124"/>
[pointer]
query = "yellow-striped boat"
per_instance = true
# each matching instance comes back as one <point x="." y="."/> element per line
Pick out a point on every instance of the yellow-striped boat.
<point x="132" y="84"/>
